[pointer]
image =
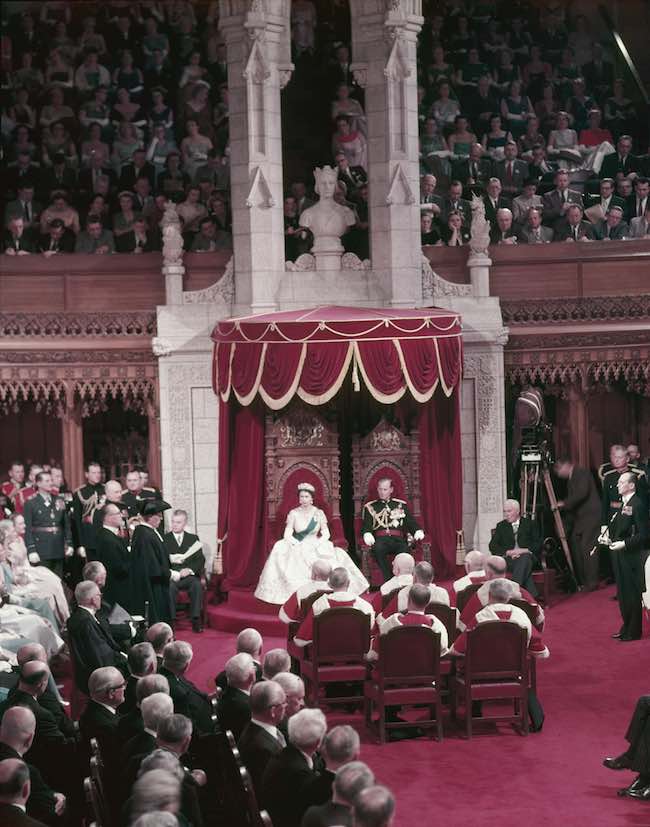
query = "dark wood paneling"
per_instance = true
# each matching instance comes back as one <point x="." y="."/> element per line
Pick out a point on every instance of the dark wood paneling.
<point x="34" y="293"/>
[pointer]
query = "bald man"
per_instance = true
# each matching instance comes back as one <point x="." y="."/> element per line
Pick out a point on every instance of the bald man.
<point x="113" y="552"/>
<point x="403" y="565"/>
<point x="517" y="540"/>
<point x="14" y="791"/>
<point x="293" y="610"/>
<point x="17" y="732"/>
<point x="475" y="571"/>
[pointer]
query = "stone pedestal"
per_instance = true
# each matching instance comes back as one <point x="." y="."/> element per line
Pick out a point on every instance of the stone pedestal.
<point x="479" y="274"/>
<point x="258" y="49"/>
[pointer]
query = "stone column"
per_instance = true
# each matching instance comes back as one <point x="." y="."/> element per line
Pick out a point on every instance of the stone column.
<point x="384" y="44"/>
<point x="153" y="449"/>
<point x="258" y="49"/>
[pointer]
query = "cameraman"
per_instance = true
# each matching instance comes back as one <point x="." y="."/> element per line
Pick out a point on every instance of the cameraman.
<point x="582" y="506"/>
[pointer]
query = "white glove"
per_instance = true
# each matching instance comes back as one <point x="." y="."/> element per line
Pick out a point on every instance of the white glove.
<point x="81" y="551"/>
<point x="69" y="551"/>
<point x="619" y="545"/>
<point x="419" y="534"/>
<point x="175" y="558"/>
<point x="176" y="576"/>
<point x="603" y="529"/>
<point x="34" y="559"/>
<point x="369" y="539"/>
<point x="5" y="666"/>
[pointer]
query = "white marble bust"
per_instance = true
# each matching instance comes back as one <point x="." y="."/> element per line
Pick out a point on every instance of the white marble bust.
<point x="326" y="219"/>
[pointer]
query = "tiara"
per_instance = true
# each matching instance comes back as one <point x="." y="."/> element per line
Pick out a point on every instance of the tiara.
<point x="306" y="486"/>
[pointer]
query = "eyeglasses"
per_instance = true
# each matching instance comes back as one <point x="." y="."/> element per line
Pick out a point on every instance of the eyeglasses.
<point x="119" y="686"/>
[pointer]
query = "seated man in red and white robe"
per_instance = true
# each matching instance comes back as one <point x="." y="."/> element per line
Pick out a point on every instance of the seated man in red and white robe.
<point x="293" y="610"/>
<point x="423" y="576"/>
<point x="403" y="565"/>
<point x="499" y="593"/>
<point x="418" y="598"/>
<point x="340" y="597"/>
<point x="475" y="571"/>
<point x="495" y="568"/>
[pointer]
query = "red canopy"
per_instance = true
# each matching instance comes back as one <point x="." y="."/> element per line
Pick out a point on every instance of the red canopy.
<point x="309" y="352"/>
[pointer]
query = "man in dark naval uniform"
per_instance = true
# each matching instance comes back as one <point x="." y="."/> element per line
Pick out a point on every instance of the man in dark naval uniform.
<point x="136" y="494"/>
<point x="628" y="544"/>
<point x="386" y="524"/>
<point x="47" y="526"/>
<point x="187" y="564"/>
<point x="150" y="571"/>
<point x="85" y="501"/>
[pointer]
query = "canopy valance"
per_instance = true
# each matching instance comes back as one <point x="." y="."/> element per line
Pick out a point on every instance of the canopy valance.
<point x="308" y="353"/>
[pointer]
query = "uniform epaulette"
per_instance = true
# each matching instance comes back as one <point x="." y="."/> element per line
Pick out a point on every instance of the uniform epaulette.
<point x="147" y="488"/>
<point x="611" y="471"/>
<point x="638" y="471"/>
<point x="77" y="490"/>
<point x="603" y="469"/>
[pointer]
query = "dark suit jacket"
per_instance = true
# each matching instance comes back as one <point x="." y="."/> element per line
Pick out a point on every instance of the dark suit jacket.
<point x="49" y="747"/>
<point x="91" y="646"/>
<point x="64" y="245"/>
<point x="490" y="211"/>
<point x="619" y="232"/>
<point x="503" y="538"/>
<point x="612" y="165"/>
<point x="285" y="779"/>
<point x="464" y="171"/>
<point x="86" y="179"/>
<point x="222" y="681"/>
<point x="328" y="815"/>
<point x="582" y="502"/>
<point x="190" y="701"/>
<point x="464" y="208"/>
<point x="563" y="230"/>
<point x="129" y="726"/>
<point x="129" y="175"/>
<point x="519" y="175"/>
<point x="196" y="561"/>
<point x="113" y="552"/>
<point x="41" y="801"/>
<point x="11" y="816"/>
<point x="141" y="744"/>
<point x="552" y="203"/>
<point x="630" y="523"/>
<point x="233" y="711"/>
<point x="319" y="790"/>
<point x="257" y="747"/>
<point x="98" y="722"/>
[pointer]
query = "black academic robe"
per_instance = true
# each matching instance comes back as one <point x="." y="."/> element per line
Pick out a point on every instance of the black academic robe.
<point x="285" y="779"/>
<point x="91" y="646"/>
<point x="41" y="801"/>
<point x="113" y="552"/>
<point x="150" y="575"/>
<point x="257" y="746"/>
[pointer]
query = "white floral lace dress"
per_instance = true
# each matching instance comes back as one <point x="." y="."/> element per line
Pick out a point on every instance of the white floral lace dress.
<point x="306" y="539"/>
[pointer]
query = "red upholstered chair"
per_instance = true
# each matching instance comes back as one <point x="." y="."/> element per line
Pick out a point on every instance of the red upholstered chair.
<point x="463" y="597"/>
<point x="298" y="651"/>
<point x="448" y="616"/>
<point x="337" y="653"/>
<point x="531" y="614"/>
<point x="300" y="446"/>
<point x="386" y="598"/>
<point x="407" y="673"/>
<point x="386" y="452"/>
<point x="495" y="667"/>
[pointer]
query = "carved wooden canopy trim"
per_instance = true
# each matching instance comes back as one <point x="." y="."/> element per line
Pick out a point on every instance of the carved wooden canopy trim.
<point x="77" y="325"/>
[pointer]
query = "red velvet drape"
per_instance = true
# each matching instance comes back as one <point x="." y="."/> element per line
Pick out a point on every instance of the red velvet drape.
<point x="441" y="478"/>
<point x="241" y="492"/>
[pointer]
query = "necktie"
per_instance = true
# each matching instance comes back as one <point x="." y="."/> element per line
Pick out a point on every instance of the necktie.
<point x="26" y="210"/>
<point x="474" y="171"/>
<point x="639" y="208"/>
<point x="509" y="172"/>
<point x="281" y="739"/>
<point x="564" y="197"/>
<point x="179" y="539"/>
<point x="575" y="233"/>
<point x="537" y="235"/>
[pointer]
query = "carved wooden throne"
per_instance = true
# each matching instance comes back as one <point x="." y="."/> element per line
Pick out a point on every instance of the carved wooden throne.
<point x="300" y="446"/>
<point x="386" y="452"/>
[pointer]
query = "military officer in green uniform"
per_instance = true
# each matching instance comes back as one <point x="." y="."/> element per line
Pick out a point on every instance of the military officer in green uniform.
<point x="47" y="526"/>
<point x="386" y="524"/>
<point x="611" y="499"/>
<point x="85" y="502"/>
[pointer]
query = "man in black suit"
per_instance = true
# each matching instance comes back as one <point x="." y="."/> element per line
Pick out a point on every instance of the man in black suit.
<point x="558" y="201"/>
<point x="637" y="755"/>
<point x="573" y="228"/>
<point x="187" y="565"/>
<point x="50" y="699"/>
<point x="154" y="708"/>
<point x="91" y="642"/>
<point x="474" y="172"/>
<point x="541" y="169"/>
<point x="350" y="780"/>
<point x="89" y="177"/>
<point x="289" y="773"/>
<point x="454" y="202"/>
<point x="605" y="199"/>
<point x="503" y="232"/>
<point x="113" y="553"/>
<point x="132" y="724"/>
<point x="138" y="168"/>
<point x="17" y="240"/>
<point x="99" y="720"/>
<point x="251" y="643"/>
<point x="159" y="635"/>
<point x="340" y="746"/>
<point x="51" y="749"/>
<point x="58" y="239"/>
<point x="58" y="177"/>
<point x="16" y="735"/>
<point x="188" y="700"/>
<point x="352" y="177"/>
<point x="233" y="710"/>
<point x="620" y="164"/>
<point x="494" y="201"/>
<point x="628" y="544"/>
<point x="639" y="201"/>
<point x="516" y="539"/>
<point x="142" y="662"/>
<point x="582" y="506"/>
<point x="261" y="739"/>
<point x="15" y="789"/>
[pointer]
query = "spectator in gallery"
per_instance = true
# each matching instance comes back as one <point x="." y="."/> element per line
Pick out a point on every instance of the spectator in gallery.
<point x="428" y="233"/>
<point x="95" y="239"/>
<point x="16" y="241"/>
<point x="533" y="231"/>
<point x="351" y="142"/>
<point x="612" y="227"/>
<point x="454" y="234"/>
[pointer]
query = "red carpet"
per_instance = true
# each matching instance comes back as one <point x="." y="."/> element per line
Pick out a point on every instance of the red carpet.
<point x="588" y="688"/>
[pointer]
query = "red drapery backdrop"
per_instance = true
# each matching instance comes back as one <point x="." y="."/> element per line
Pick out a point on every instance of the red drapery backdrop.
<point x="266" y="360"/>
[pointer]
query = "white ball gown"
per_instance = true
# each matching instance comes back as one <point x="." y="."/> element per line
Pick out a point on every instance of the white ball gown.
<point x="306" y="539"/>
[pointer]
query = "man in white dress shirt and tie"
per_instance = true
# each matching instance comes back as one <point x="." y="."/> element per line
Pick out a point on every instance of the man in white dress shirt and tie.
<point x="187" y="565"/>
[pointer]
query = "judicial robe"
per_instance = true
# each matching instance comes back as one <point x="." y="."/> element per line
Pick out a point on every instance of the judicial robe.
<point x="150" y="575"/>
<point x="113" y="552"/>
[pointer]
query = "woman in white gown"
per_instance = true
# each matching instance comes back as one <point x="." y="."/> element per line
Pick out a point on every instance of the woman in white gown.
<point x="306" y="539"/>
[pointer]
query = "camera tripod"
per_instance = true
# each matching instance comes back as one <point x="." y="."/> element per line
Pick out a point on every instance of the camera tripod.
<point x="535" y="472"/>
